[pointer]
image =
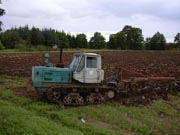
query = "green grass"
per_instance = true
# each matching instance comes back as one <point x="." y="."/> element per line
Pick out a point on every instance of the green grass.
<point x="9" y="51"/>
<point x="23" y="116"/>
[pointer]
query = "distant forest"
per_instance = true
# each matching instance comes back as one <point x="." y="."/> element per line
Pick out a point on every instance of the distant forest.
<point x="129" y="37"/>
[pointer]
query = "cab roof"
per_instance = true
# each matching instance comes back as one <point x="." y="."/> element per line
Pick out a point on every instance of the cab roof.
<point x="88" y="54"/>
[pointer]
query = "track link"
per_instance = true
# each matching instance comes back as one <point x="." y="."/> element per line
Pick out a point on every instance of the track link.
<point x="130" y="93"/>
<point x="77" y="95"/>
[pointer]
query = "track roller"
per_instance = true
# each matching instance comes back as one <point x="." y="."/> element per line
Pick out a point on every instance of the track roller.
<point x="73" y="99"/>
<point x="95" y="98"/>
<point x="53" y="95"/>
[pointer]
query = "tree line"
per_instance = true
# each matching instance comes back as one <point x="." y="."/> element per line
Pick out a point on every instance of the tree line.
<point x="128" y="38"/>
<point x="25" y="36"/>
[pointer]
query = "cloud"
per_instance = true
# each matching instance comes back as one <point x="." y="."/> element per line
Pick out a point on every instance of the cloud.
<point x="127" y="8"/>
<point x="89" y="16"/>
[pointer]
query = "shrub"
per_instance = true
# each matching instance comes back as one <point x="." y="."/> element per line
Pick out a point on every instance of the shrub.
<point x="1" y="46"/>
<point x="42" y="48"/>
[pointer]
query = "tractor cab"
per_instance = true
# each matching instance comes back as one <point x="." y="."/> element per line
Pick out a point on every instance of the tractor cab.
<point x="86" y="68"/>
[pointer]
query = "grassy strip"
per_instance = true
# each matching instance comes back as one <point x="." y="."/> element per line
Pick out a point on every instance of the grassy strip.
<point x="12" y="51"/>
<point x="43" y="50"/>
<point x="23" y="116"/>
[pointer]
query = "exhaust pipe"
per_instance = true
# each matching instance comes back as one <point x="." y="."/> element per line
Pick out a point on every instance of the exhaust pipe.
<point x="60" y="64"/>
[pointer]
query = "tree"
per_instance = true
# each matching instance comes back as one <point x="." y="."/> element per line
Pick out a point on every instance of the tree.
<point x="112" y="42"/>
<point x="81" y="41"/>
<point x="157" y="42"/>
<point x="97" y="41"/>
<point x="171" y="46"/>
<point x="25" y="33"/>
<point x="177" y="40"/>
<point x="134" y="37"/>
<point x="72" y="41"/>
<point x="50" y="37"/>
<point x="36" y="36"/>
<point x="127" y="29"/>
<point x="147" y="43"/>
<point x="1" y="46"/>
<point x="10" y="38"/>
<point x="117" y="41"/>
<point x="2" y="12"/>
<point x="121" y="40"/>
<point x="62" y="39"/>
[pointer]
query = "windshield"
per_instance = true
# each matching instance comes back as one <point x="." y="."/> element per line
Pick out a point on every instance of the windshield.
<point x="77" y="63"/>
<point x="74" y="63"/>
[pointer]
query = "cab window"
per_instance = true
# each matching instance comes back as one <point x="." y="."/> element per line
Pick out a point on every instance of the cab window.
<point x="91" y="62"/>
<point x="81" y="64"/>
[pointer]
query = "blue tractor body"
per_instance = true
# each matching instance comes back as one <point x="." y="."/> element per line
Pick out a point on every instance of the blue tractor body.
<point x="44" y="76"/>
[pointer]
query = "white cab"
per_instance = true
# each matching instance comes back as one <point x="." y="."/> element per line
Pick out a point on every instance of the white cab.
<point x="87" y="68"/>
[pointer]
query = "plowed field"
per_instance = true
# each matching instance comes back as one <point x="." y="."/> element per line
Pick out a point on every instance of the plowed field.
<point x="150" y="63"/>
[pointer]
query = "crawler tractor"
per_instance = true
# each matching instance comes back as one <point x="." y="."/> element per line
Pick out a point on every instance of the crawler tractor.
<point x="83" y="82"/>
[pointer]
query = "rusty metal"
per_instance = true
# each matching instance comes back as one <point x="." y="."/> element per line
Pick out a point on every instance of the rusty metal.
<point x="135" y="89"/>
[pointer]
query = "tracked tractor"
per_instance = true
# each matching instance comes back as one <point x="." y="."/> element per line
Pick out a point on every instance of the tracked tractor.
<point x="80" y="83"/>
<point x="83" y="82"/>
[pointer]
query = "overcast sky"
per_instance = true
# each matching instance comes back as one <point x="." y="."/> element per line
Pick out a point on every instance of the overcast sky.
<point x="89" y="16"/>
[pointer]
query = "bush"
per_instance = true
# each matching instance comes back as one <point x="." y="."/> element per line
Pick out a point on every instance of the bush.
<point x="42" y="48"/>
<point x="25" y="46"/>
<point x="1" y="46"/>
<point x="22" y="46"/>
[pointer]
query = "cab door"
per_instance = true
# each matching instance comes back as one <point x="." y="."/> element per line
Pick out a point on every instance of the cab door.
<point x="79" y="73"/>
<point x="88" y="69"/>
<point x="91" y="71"/>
